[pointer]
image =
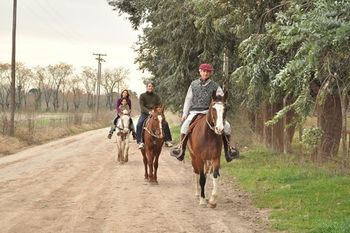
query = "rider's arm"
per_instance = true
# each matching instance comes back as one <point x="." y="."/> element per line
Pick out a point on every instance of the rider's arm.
<point x="187" y="104"/>
<point x="117" y="104"/>
<point x="142" y="104"/>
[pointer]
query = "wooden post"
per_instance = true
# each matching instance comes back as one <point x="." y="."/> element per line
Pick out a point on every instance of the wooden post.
<point x="13" y="71"/>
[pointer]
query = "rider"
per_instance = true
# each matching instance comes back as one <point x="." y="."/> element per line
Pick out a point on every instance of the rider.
<point x="122" y="103"/>
<point x="148" y="100"/>
<point x="197" y="100"/>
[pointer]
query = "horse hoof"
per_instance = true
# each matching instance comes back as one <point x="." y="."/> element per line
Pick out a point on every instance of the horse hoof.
<point x="203" y="202"/>
<point x="211" y="205"/>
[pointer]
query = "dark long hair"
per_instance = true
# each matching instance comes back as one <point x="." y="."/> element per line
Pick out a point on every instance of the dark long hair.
<point x="121" y="94"/>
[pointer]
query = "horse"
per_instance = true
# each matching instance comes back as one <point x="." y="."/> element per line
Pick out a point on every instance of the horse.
<point x="205" y="145"/>
<point x="153" y="140"/>
<point x="123" y="135"/>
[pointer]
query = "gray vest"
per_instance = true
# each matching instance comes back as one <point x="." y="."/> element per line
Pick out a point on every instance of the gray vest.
<point x="201" y="94"/>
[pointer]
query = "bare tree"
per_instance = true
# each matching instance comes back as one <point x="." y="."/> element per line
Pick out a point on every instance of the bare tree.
<point x="5" y="80"/>
<point x="76" y="84"/>
<point x="58" y="73"/>
<point x="38" y="82"/>
<point x="112" y="79"/>
<point x="48" y="85"/>
<point x="23" y="76"/>
<point x="89" y="79"/>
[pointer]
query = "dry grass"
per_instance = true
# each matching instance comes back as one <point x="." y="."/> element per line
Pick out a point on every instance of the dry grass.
<point x="9" y="145"/>
<point x="32" y="131"/>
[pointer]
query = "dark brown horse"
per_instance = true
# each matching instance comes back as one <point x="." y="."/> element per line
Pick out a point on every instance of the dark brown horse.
<point x="205" y="144"/>
<point x="153" y="139"/>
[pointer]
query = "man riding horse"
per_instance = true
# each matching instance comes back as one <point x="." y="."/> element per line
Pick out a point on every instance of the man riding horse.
<point x="197" y="101"/>
<point x="148" y="100"/>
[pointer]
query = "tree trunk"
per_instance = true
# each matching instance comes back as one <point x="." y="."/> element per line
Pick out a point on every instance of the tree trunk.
<point x="330" y="121"/>
<point x="344" y="108"/>
<point x="259" y="123"/>
<point x="266" y="129"/>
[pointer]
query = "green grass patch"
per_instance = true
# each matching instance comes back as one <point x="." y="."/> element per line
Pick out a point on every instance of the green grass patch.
<point x="303" y="198"/>
<point x="175" y="133"/>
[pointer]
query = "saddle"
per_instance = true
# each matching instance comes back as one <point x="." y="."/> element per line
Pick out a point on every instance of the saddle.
<point x="193" y="122"/>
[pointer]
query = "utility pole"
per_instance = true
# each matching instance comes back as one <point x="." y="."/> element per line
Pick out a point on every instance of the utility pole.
<point x="13" y="71"/>
<point x="99" y="61"/>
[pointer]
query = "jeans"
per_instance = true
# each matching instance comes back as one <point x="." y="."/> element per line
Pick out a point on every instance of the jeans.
<point x="139" y="128"/>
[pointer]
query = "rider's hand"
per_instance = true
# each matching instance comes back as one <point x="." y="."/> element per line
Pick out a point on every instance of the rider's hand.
<point x="183" y="118"/>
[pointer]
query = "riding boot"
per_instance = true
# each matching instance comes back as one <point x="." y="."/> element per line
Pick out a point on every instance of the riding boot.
<point x="110" y="133"/>
<point x="230" y="152"/>
<point x="133" y="135"/>
<point x="179" y="152"/>
<point x="132" y="129"/>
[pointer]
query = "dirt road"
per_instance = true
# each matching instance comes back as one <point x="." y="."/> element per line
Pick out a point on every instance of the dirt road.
<point x="73" y="185"/>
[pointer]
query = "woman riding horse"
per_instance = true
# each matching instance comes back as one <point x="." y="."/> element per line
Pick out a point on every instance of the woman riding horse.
<point x="123" y="136"/>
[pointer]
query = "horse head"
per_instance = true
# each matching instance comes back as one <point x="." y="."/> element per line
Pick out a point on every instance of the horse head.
<point x="217" y="112"/>
<point x="123" y="123"/>
<point x="156" y="119"/>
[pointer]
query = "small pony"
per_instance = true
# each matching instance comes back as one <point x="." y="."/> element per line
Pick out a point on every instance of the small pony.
<point x="153" y="140"/>
<point x="123" y="135"/>
<point x="205" y="145"/>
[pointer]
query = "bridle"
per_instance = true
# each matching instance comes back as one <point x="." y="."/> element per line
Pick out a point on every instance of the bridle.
<point x="210" y="117"/>
<point x="122" y="132"/>
<point x="159" y="134"/>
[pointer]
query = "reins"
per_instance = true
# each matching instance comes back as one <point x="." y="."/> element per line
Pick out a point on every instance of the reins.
<point x="159" y="136"/>
<point x="121" y="132"/>
<point x="212" y="127"/>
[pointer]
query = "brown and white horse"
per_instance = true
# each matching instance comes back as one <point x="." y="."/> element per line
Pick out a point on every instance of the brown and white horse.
<point x="123" y="136"/>
<point x="205" y="145"/>
<point x="154" y="140"/>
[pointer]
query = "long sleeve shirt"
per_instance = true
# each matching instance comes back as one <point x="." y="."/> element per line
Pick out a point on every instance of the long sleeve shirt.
<point x="118" y="104"/>
<point x="199" y="95"/>
<point x="148" y="100"/>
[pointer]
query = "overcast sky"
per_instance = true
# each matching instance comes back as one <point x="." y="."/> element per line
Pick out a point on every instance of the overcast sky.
<point x="70" y="31"/>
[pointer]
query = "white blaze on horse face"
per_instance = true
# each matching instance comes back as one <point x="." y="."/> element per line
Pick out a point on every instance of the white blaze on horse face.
<point x="160" y="119"/>
<point x="219" y="124"/>
<point x="123" y="123"/>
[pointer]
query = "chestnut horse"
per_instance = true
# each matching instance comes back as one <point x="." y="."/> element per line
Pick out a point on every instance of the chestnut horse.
<point x="123" y="135"/>
<point x="154" y="140"/>
<point x="205" y="144"/>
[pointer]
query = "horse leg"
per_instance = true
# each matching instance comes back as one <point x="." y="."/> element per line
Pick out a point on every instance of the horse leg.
<point x="150" y="167"/>
<point x="214" y="194"/>
<point x="126" y="151"/>
<point x="196" y="184"/>
<point x="155" y="169"/>
<point x="202" y="180"/>
<point x="145" y="165"/>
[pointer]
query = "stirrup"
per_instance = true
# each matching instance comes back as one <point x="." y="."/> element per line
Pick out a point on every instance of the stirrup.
<point x="177" y="152"/>
<point x="232" y="153"/>
<point x="141" y="145"/>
